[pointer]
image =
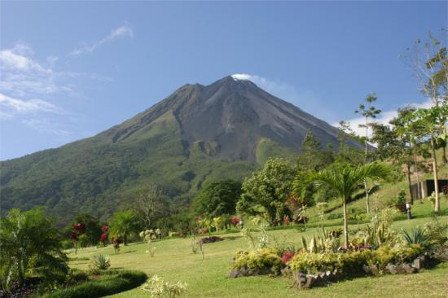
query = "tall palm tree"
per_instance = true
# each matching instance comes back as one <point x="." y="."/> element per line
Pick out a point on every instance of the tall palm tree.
<point x="344" y="180"/>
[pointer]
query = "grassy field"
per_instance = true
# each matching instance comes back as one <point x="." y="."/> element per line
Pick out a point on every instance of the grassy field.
<point x="175" y="261"/>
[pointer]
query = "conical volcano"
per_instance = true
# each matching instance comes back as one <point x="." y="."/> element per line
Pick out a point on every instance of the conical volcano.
<point x="198" y="133"/>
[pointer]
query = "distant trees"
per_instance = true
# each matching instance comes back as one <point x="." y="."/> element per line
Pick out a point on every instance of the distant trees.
<point x="217" y="198"/>
<point x="265" y="191"/>
<point x="30" y="244"/>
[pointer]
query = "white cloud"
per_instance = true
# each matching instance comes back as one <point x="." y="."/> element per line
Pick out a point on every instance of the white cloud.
<point x="384" y="118"/>
<point x="12" y="106"/>
<point x="120" y="32"/>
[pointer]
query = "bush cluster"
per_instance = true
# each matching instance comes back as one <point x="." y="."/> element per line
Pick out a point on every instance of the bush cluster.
<point x="262" y="259"/>
<point x="351" y="263"/>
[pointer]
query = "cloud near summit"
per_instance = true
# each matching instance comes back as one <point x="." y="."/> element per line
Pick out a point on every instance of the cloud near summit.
<point x="117" y="33"/>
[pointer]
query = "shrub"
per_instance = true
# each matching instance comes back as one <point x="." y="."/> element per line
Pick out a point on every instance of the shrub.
<point x="158" y="287"/>
<point x="312" y="263"/>
<point x="99" y="262"/>
<point x="397" y="254"/>
<point x="111" y="282"/>
<point x="263" y="260"/>
<point x="436" y="231"/>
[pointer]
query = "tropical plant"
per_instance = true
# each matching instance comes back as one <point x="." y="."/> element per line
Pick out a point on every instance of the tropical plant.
<point x="99" y="262"/>
<point x="345" y="180"/>
<point x="416" y="236"/>
<point x="30" y="244"/>
<point x="157" y="287"/>
<point x="123" y="223"/>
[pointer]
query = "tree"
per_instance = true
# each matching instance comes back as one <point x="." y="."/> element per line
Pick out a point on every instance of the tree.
<point x="369" y="112"/>
<point x="151" y="204"/>
<point x="92" y="227"/>
<point x="217" y="198"/>
<point x="265" y="192"/>
<point x="344" y="180"/>
<point x="394" y="142"/>
<point x="123" y="223"/>
<point x="429" y="123"/>
<point x="30" y="243"/>
<point x="428" y="60"/>
<point x="312" y="157"/>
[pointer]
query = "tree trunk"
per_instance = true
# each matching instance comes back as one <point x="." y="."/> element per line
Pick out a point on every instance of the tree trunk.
<point x="445" y="160"/>
<point x="436" y="179"/>
<point x="344" y="206"/>
<point x="367" y="196"/>
<point x="366" y="160"/>
<point x="419" y="189"/>
<point x="408" y="174"/>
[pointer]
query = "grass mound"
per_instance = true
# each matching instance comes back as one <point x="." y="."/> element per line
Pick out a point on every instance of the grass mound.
<point x="110" y="282"/>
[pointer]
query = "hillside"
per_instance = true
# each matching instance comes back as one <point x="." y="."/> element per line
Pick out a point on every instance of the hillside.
<point x="199" y="133"/>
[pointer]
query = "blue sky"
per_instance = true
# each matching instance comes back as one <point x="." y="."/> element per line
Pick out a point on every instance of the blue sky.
<point x="70" y="70"/>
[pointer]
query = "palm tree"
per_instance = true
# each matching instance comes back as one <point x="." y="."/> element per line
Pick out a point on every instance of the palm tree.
<point x="344" y="180"/>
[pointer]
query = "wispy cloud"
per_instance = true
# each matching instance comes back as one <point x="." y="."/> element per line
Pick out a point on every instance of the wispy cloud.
<point x="31" y="90"/>
<point x="12" y="106"/>
<point x="384" y="118"/>
<point x="117" y="33"/>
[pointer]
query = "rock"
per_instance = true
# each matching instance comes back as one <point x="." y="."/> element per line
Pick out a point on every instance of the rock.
<point x="375" y="270"/>
<point x="300" y="279"/>
<point x="391" y="268"/>
<point x="419" y="262"/>
<point x="310" y="280"/>
<point x="406" y="268"/>
<point x="234" y="273"/>
<point x="243" y="271"/>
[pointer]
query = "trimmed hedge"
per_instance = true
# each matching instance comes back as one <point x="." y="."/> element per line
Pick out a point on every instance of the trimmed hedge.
<point x="111" y="282"/>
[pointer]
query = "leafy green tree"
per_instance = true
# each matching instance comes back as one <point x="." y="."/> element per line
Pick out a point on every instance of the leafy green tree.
<point x="395" y="143"/>
<point x="124" y="223"/>
<point x="430" y="122"/>
<point x="368" y="111"/>
<point x="265" y="192"/>
<point x="217" y="198"/>
<point x="344" y="180"/>
<point x="30" y="244"/>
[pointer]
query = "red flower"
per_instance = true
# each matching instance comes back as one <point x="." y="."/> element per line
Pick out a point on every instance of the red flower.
<point x="105" y="228"/>
<point x="103" y="237"/>
<point x="287" y="256"/>
<point x="235" y="220"/>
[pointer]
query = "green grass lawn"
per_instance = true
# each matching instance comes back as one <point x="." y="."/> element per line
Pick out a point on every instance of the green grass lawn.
<point x="175" y="261"/>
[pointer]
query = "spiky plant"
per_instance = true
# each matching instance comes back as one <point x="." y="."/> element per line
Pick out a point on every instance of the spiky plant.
<point x="416" y="236"/>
